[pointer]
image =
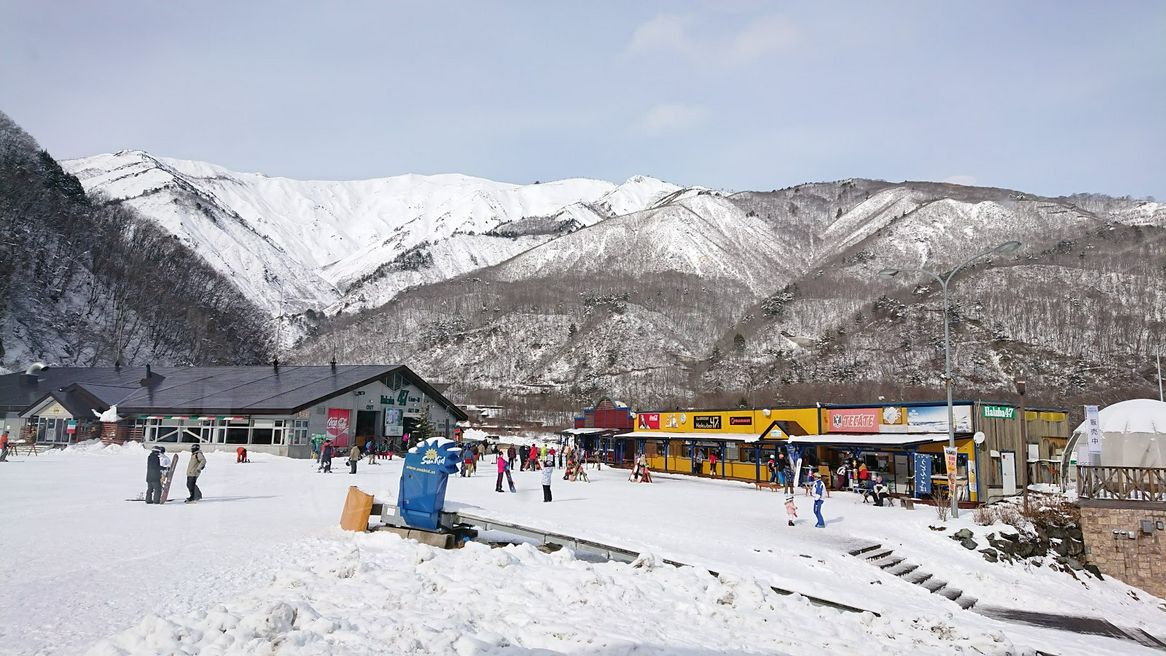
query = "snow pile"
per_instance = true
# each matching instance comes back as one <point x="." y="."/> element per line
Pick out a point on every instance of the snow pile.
<point x="379" y="594"/>
<point x="96" y="448"/>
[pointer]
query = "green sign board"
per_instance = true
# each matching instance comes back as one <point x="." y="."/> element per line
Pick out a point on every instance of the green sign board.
<point x="999" y="412"/>
<point x="402" y="398"/>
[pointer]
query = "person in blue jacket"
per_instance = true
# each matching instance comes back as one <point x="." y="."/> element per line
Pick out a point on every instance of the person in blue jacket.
<point x="819" y="492"/>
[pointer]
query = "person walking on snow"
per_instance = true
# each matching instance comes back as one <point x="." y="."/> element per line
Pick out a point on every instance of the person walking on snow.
<point x="771" y="466"/>
<point x="353" y="457"/>
<point x="4" y="446"/>
<point x="511" y="455"/>
<point x="503" y="465"/>
<point x="193" y="470"/>
<point x="712" y="463"/>
<point x="154" y="475"/>
<point x="326" y="457"/>
<point x="819" y="490"/>
<point x="791" y="509"/>
<point x="548" y="470"/>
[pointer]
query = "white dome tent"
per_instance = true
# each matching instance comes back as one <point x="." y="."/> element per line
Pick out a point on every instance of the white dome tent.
<point x="1133" y="435"/>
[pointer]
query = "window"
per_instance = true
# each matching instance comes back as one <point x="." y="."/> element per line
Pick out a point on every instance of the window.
<point x="237" y="435"/>
<point x="299" y="432"/>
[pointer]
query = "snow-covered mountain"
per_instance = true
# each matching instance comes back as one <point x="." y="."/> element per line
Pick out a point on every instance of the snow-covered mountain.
<point x="708" y="296"/>
<point x="665" y="294"/>
<point x="293" y="245"/>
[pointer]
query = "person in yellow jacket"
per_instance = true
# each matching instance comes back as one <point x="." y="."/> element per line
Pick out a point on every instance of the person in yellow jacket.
<point x="193" y="469"/>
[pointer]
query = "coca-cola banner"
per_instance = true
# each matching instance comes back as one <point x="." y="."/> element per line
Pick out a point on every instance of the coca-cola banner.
<point x="338" y="422"/>
<point x="854" y="420"/>
<point x="649" y="421"/>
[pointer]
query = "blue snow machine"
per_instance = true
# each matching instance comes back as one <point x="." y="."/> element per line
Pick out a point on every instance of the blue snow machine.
<point x="421" y="495"/>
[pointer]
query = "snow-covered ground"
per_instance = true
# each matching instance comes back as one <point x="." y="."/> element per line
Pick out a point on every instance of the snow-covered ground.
<point x="259" y="566"/>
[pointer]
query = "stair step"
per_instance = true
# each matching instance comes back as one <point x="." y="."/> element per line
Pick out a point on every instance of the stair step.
<point x="902" y="569"/>
<point x="875" y="555"/>
<point x="966" y="602"/>
<point x="919" y="577"/>
<point x="861" y="550"/>
<point x="950" y="593"/>
<point x="934" y="584"/>
<point x="888" y="562"/>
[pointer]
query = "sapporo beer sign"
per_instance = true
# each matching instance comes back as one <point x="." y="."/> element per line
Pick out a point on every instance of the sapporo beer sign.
<point x="707" y="422"/>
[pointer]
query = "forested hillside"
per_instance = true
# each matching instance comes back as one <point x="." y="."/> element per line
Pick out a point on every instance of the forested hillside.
<point x="775" y="296"/>
<point x="85" y="283"/>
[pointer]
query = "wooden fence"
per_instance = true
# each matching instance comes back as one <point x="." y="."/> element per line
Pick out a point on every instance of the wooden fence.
<point x="1121" y="483"/>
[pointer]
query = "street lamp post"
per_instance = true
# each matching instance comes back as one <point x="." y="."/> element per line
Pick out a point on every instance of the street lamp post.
<point x="1001" y="249"/>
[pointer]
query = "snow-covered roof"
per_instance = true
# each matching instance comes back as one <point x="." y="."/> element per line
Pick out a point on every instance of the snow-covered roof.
<point x="893" y="439"/>
<point x="713" y="437"/>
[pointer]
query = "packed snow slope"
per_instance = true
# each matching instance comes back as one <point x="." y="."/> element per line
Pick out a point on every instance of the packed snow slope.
<point x="259" y="567"/>
<point x="303" y="243"/>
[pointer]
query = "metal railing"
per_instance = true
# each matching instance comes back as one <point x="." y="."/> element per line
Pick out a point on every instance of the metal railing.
<point x="1121" y="483"/>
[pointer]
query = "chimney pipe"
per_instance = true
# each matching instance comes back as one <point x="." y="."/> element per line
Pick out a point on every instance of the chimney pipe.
<point x="30" y="376"/>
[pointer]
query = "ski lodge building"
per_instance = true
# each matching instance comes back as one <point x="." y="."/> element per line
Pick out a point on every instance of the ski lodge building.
<point x="999" y="447"/>
<point x="270" y="409"/>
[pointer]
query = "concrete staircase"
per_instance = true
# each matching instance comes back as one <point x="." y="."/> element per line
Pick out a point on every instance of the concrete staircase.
<point x="886" y="559"/>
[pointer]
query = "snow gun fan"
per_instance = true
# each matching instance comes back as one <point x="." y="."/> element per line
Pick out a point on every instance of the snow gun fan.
<point x="421" y="495"/>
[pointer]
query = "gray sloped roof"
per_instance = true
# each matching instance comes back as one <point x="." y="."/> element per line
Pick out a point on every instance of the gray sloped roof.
<point x="209" y="390"/>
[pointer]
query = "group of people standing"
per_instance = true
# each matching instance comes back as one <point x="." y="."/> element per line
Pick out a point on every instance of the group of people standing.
<point x="506" y="464"/>
<point x="158" y="464"/>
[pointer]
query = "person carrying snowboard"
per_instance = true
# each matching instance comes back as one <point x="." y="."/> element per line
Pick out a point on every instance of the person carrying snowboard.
<point x="154" y="469"/>
<point x="193" y="470"/>
<point x="503" y="465"/>
<point x="548" y="471"/>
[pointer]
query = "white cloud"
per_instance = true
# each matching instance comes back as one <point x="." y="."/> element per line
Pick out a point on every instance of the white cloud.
<point x="671" y="33"/>
<point x="671" y="117"/>
<point x="967" y="180"/>
<point x="762" y="37"/>
<point x="666" y="32"/>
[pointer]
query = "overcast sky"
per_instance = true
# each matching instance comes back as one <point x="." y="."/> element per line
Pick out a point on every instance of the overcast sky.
<point x="1046" y="97"/>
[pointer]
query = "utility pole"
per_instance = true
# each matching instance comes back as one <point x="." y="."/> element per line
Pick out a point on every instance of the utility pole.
<point x="1160" y="374"/>
<point x="1001" y="249"/>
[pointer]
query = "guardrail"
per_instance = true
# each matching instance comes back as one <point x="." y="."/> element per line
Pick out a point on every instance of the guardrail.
<point x="1121" y="483"/>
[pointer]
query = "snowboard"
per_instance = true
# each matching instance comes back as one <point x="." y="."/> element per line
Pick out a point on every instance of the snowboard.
<point x="510" y="482"/>
<point x="168" y="477"/>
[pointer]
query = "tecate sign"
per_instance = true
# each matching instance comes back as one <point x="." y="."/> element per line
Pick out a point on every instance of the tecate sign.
<point x="858" y="420"/>
<point x="999" y="412"/>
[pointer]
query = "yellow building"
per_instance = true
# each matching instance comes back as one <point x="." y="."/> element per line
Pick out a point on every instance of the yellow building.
<point x="740" y="439"/>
